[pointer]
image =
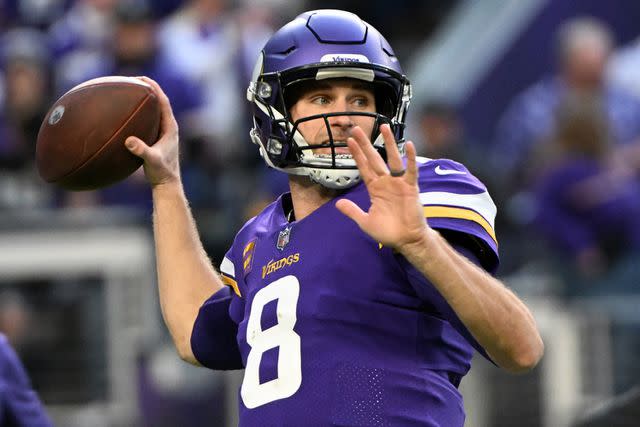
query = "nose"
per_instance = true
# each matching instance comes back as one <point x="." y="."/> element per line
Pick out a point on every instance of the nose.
<point x="341" y="121"/>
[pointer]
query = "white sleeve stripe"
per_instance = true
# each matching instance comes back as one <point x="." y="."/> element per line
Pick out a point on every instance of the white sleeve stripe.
<point x="227" y="267"/>
<point x="420" y="159"/>
<point x="481" y="203"/>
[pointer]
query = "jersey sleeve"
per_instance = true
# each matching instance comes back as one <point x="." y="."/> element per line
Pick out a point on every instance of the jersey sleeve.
<point x="213" y="339"/>
<point x="458" y="205"/>
<point x="437" y="304"/>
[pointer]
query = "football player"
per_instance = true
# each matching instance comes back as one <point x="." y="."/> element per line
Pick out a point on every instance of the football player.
<point x="341" y="302"/>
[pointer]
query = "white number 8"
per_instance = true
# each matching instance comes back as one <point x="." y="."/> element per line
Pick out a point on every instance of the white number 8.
<point x="286" y="291"/>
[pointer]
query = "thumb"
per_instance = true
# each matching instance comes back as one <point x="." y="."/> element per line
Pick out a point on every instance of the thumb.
<point x="136" y="146"/>
<point x="350" y="209"/>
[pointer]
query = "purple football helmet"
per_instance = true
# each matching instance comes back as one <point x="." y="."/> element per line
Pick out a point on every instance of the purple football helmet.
<point x="317" y="45"/>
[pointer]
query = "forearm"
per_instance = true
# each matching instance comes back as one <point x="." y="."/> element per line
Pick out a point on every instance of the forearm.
<point x="186" y="277"/>
<point x="494" y="315"/>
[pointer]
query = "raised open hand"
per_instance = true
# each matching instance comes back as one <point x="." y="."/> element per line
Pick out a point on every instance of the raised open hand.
<point x="395" y="217"/>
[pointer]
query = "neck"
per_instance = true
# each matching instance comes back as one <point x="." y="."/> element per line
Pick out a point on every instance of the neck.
<point x="307" y="196"/>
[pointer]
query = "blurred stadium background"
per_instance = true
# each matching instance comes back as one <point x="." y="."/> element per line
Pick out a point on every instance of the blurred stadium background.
<point x="540" y="98"/>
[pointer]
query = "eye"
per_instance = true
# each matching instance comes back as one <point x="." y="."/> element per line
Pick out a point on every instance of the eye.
<point x="362" y="102"/>
<point x="320" y="100"/>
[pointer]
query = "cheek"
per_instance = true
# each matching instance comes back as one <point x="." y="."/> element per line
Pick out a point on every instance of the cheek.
<point x="366" y="123"/>
<point x="312" y="129"/>
<point x="308" y="129"/>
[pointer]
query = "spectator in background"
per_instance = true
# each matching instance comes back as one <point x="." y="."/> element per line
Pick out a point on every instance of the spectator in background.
<point x="26" y="82"/>
<point x="583" y="49"/>
<point x="189" y="37"/>
<point x="134" y="52"/>
<point x="255" y="21"/>
<point x="38" y="14"/>
<point x="162" y="8"/>
<point x="79" y="39"/>
<point x="20" y="405"/>
<point x="442" y="136"/>
<point x="624" y="67"/>
<point x="16" y="319"/>
<point x="214" y="43"/>
<point x="587" y="197"/>
<point x="588" y="209"/>
<point x="441" y="132"/>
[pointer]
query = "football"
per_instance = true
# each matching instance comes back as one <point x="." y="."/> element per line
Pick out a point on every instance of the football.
<point x="80" y="144"/>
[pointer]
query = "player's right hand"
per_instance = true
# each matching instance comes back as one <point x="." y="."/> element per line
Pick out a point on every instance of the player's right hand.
<point x="161" y="160"/>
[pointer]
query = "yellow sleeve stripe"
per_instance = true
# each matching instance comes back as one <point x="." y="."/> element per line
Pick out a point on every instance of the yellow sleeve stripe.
<point x="247" y="262"/>
<point x="230" y="282"/>
<point x="249" y="246"/>
<point x="459" y="213"/>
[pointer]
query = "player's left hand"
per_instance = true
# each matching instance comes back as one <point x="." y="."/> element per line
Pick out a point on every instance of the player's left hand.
<point x="395" y="218"/>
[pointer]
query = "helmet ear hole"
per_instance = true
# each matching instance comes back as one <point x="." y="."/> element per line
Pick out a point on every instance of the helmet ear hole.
<point x="292" y="94"/>
<point x="386" y="99"/>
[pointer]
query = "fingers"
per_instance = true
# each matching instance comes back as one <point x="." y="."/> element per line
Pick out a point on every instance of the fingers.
<point x="167" y="120"/>
<point x="350" y="209"/>
<point x="412" y="166"/>
<point x="361" y="160"/>
<point x="375" y="162"/>
<point x="394" y="160"/>
<point x="372" y="159"/>
<point x="137" y="147"/>
<point x="162" y="97"/>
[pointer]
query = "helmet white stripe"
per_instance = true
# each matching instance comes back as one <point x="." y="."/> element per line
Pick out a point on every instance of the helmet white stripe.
<point x="354" y="73"/>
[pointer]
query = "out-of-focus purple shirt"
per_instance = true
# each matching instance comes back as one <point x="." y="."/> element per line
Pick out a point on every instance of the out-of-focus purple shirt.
<point x="20" y="406"/>
<point x="571" y="224"/>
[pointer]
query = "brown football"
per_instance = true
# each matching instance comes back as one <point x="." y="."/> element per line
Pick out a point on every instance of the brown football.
<point x="81" y="140"/>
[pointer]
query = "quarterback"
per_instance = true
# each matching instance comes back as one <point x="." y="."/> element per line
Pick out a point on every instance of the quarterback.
<point x="358" y="297"/>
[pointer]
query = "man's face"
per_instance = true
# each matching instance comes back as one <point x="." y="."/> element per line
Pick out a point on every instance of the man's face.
<point x="586" y="64"/>
<point x="134" y="42"/>
<point x="331" y="96"/>
<point x="26" y="87"/>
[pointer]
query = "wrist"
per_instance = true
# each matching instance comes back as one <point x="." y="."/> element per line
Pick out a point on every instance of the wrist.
<point x="423" y="242"/>
<point x="167" y="187"/>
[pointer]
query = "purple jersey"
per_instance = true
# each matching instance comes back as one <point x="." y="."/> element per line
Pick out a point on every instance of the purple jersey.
<point x="19" y="403"/>
<point x="334" y="329"/>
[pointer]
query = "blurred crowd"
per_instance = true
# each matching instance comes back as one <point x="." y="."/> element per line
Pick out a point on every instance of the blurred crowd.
<point x="563" y="165"/>
<point x="201" y="52"/>
<point x="564" y="170"/>
<point x="48" y="47"/>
